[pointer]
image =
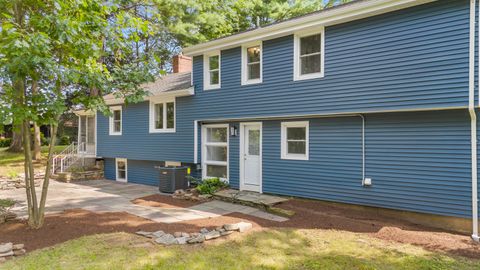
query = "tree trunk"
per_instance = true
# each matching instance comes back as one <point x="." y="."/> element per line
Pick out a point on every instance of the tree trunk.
<point x="36" y="142"/>
<point x="16" y="146"/>
<point x="36" y="129"/>
<point x="46" y="179"/>
<point x="30" y="177"/>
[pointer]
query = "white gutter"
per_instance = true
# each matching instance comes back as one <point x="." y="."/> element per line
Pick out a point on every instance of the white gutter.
<point x="473" y="123"/>
<point x="169" y="94"/>
<point x="195" y="142"/>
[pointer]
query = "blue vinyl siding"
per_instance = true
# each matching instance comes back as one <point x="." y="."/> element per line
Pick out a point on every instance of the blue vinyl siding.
<point x="138" y="171"/>
<point x="417" y="161"/>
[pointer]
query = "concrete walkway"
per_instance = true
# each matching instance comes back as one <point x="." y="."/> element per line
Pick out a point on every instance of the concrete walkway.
<point x="111" y="196"/>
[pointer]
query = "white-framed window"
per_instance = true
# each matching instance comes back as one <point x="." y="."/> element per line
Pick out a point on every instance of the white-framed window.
<point x="116" y="120"/>
<point x="121" y="169"/>
<point x="215" y="151"/>
<point x="252" y="63"/>
<point x="295" y="140"/>
<point x="211" y="70"/>
<point x="309" y="54"/>
<point x="162" y="115"/>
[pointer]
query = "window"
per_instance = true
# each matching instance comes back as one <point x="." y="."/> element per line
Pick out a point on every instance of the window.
<point x="162" y="116"/>
<point x="309" y="55"/>
<point x="295" y="140"/>
<point x="116" y="120"/>
<point x="215" y="151"/>
<point x="252" y="63"/>
<point x="121" y="169"/>
<point x="211" y="64"/>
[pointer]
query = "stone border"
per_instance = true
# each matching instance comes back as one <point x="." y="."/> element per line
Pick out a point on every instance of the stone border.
<point x="8" y="250"/>
<point x="182" y="238"/>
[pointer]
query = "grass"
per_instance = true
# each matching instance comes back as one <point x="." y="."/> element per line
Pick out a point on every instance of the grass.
<point x="271" y="249"/>
<point x="11" y="164"/>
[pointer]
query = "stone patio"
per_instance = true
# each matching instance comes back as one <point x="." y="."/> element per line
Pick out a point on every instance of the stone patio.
<point x="111" y="196"/>
<point x="250" y="197"/>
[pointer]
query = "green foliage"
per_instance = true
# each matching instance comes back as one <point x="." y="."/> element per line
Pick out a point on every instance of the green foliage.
<point x="211" y="185"/>
<point x="5" y="142"/>
<point x="64" y="140"/>
<point x="6" y="203"/>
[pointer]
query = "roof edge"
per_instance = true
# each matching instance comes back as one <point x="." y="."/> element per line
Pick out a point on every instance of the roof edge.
<point x="177" y="93"/>
<point x="340" y="14"/>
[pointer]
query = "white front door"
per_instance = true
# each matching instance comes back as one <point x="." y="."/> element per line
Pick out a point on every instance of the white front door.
<point x="251" y="157"/>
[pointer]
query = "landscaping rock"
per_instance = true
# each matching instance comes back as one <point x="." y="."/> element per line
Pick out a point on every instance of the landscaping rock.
<point x="144" y="233"/>
<point x="6" y="254"/>
<point x="2" y="260"/>
<point x="212" y="235"/>
<point x="226" y="233"/>
<point x="195" y="234"/>
<point x="197" y="240"/>
<point x="231" y="227"/>
<point x="19" y="252"/>
<point x="6" y="247"/>
<point x="177" y="234"/>
<point x="241" y="226"/>
<point x="184" y="234"/>
<point x="205" y="196"/>
<point x="204" y="230"/>
<point x="158" y="234"/>
<point x="166" y="239"/>
<point x="244" y="226"/>
<point x="181" y="240"/>
<point x="18" y="246"/>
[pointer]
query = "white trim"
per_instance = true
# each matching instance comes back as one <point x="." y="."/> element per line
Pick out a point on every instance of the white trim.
<point x="151" y="117"/>
<point x="204" y="151"/>
<point x="111" y="128"/>
<point x="296" y="54"/>
<point x="473" y="123"/>
<point x="349" y="12"/>
<point x="284" y="148"/>
<point x="206" y="70"/>
<point x="195" y="142"/>
<point x="242" y="161"/>
<point x="245" y="80"/>
<point x="344" y="114"/>
<point x="169" y="94"/>
<point x="116" y="170"/>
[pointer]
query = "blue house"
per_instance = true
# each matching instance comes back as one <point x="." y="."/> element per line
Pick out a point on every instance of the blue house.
<point x="370" y="103"/>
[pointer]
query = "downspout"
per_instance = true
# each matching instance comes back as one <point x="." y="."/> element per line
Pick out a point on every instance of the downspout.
<point x="363" y="148"/>
<point x="473" y="123"/>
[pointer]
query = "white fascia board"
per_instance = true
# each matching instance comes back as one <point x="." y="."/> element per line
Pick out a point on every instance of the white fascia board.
<point x="171" y="94"/>
<point x="349" y="12"/>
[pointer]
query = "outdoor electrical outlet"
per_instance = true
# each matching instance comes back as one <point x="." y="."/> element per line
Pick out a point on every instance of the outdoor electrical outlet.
<point x="367" y="182"/>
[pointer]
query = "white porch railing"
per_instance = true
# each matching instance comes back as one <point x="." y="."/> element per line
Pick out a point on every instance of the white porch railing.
<point x="67" y="157"/>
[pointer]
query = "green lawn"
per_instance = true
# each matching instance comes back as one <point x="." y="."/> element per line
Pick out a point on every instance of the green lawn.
<point x="11" y="164"/>
<point x="273" y="249"/>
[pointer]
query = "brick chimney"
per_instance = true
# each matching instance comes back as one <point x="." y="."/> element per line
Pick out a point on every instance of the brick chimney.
<point x="181" y="63"/>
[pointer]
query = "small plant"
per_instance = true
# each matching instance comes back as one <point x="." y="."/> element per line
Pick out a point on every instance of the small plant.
<point x="64" y="140"/>
<point x="5" y="142"/>
<point x="12" y="174"/>
<point x="211" y="185"/>
<point x="6" y="204"/>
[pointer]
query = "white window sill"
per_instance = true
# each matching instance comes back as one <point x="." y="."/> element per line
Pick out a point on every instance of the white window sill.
<point x="115" y="134"/>
<point x="309" y="76"/>
<point x="249" y="82"/>
<point x="211" y="87"/>
<point x="295" y="157"/>
<point x="162" y="131"/>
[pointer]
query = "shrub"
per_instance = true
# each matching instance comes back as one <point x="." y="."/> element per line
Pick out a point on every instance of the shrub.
<point x="5" y="142"/>
<point x="211" y="185"/>
<point x="6" y="203"/>
<point x="64" y="140"/>
<point x="43" y="140"/>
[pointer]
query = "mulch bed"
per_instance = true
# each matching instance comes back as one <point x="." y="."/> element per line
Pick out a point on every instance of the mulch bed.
<point x="309" y="215"/>
<point x="164" y="201"/>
